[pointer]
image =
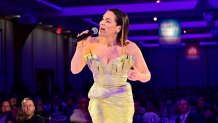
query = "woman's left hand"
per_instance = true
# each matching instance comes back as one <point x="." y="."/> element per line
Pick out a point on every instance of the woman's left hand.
<point x="134" y="74"/>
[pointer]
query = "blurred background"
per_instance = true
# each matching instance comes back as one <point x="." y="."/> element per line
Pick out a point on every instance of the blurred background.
<point x="178" y="39"/>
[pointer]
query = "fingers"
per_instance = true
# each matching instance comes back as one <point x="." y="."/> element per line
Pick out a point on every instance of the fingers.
<point x="84" y="32"/>
<point x="132" y="75"/>
<point x="134" y="67"/>
<point x="82" y="43"/>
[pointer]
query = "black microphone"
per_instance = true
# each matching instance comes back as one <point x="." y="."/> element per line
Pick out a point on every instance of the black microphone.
<point x="93" y="31"/>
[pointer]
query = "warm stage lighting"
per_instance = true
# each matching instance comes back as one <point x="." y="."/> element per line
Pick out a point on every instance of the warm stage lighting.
<point x="58" y="31"/>
<point x="192" y="50"/>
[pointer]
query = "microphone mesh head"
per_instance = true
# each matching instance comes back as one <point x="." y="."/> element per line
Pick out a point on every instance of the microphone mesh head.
<point x="95" y="30"/>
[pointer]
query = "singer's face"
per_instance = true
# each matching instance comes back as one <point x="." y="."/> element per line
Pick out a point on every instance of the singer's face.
<point x="108" y="25"/>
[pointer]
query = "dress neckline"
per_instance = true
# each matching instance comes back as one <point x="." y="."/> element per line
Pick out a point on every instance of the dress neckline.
<point x="111" y="60"/>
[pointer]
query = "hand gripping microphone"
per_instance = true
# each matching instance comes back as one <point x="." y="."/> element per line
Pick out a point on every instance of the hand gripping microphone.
<point x="93" y="31"/>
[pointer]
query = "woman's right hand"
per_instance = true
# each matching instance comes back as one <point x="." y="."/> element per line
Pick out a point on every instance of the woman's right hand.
<point x="85" y="41"/>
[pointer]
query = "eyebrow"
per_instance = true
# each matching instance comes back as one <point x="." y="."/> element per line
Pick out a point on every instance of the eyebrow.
<point x="107" y="18"/>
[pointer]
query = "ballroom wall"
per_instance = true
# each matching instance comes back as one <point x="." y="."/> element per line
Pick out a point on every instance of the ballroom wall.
<point x="6" y="56"/>
<point x="46" y="64"/>
<point x="43" y="54"/>
<point x="171" y="68"/>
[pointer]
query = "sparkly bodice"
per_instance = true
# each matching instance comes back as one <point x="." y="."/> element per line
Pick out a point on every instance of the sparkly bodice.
<point x="110" y="96"/>
<point x="112" y="74"/>
<point x="109" y="78"/>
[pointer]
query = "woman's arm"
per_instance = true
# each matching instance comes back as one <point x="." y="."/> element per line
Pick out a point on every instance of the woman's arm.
<point x="140" y="69"/>
<point x="78" y="62"/>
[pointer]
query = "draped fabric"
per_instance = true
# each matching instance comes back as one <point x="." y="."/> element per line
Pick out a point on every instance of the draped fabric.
<point x="110" y="96"/>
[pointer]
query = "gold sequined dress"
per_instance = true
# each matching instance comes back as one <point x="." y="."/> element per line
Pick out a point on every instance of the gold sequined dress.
<point x="111" y="99"/>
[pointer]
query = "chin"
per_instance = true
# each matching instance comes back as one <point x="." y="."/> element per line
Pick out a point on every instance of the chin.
<point x="100" y="34"/>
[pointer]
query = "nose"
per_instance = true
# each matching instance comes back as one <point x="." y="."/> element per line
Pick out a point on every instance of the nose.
<point x="102" y="22"/>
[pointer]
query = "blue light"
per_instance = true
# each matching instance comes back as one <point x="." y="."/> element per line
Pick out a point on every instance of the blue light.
<point x="169" y="32"/>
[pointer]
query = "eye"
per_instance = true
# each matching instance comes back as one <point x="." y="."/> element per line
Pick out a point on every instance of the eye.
<point x="108" y="21"/>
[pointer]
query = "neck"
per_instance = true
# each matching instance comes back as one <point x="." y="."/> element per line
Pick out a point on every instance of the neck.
<point x="29" y="116"/>
<point x="109" y="41"/>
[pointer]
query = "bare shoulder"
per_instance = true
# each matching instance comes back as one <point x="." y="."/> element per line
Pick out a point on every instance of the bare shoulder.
<point x="132" y="47"/>
<point x="93" y="43"/>
<point x="89" y="44"/>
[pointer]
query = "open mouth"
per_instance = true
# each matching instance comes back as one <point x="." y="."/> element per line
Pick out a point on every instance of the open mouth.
<point x="103" y="29"/>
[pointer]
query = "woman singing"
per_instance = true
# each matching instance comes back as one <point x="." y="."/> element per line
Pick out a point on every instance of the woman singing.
<point x="113" y="59"/>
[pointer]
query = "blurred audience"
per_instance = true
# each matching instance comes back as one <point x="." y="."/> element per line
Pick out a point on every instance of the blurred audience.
<point x="14" y="106"/>
<point x="28" y="108"/>
<point x="81" y="114"/>
<point x="186" y="115"/>
<point x="41" y="109"/>
<point x="6" y="115"/>
<point x="139" y="111"/>
<point x="57" y="109"/>
<point x="209" y="114"/>
<point x="71" y="105"/>
<point x="151" y="114"/>
<point x="200" y="105"/>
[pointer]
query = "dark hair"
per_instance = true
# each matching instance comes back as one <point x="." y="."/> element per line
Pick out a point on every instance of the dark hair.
<point x="209" y="107"/>
<point x="188" y="100"/>
<point x="123" y="21"/>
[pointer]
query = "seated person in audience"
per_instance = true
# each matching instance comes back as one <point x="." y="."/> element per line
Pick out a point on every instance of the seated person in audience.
<point x="200" y="105"/>
<point x="81" y="115"/>
<point x="28" y="108"/>
<point x="41" y="108"/>
<point x="14" y="108"/>
<point x="20" y="114"/>
<point x="57" y="107"/>
<point x="13" y="101"/>
<point x="209" y="114"/>
<point x="71" y="105"/>
<point x="138" y="114"/>
<point x="186" y="115"/>
<point x="6" y="116"/>
<point x="151" y="114"/>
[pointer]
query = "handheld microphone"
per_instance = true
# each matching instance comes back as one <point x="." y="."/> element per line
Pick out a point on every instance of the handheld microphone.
<point x="93" y="31"/>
